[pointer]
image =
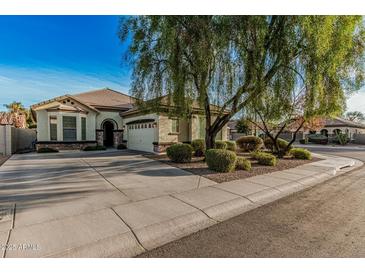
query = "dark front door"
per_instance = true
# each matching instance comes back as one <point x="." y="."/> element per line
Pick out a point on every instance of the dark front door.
<point x="108" y="134"/>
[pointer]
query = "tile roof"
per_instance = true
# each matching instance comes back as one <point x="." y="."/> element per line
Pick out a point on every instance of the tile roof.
<point x="105" y="98"/>
<point x="340" y="122"/>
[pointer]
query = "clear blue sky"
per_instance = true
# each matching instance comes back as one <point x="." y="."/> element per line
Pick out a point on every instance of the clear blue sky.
<point x="46" y="56"/>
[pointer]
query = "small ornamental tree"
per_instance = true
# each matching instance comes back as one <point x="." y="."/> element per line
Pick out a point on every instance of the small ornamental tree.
<point x="355" y="116"/>
<point x="226" y="63"/>
<point x="243" y="126"/>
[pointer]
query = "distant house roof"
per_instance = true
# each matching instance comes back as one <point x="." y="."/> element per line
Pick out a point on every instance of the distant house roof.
<point x="340" y="122"/>
<point x="106" y="98"/>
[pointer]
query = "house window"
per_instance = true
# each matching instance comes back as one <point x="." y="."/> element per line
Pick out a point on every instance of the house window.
<point x="69" y="128"/>
<point x="83" y="128"/>
<point x="175" y="126"/>
<point x="53" y="128"/>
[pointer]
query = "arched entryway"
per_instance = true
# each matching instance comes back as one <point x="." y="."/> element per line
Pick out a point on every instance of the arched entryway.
<point x="324" y="132"/>
<point x="108" y="127"/>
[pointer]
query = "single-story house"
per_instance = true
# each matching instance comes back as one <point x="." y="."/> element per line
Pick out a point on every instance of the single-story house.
<point x="108" y="117"/>
<point x="339" y="125"/>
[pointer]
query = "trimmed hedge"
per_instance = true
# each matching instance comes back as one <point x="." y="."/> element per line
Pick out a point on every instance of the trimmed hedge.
<point x="264" y="158"/>
<point x="231" y="145"/>
<point x="301" y="153"/>
<point x="317" y="139"/>
<point x="220" y="145"/>
<point x="180" y="153"/>
<point x="249" y="143"/>
<point x="198" y="147"/>
<point x="220" y="160"/>
<point x="282" y="144"/>
<point x="93" y="148"/>
<point x="47" y="150"/>
<point x="122" y="146"/>
<point x="303" y="141"/>
<point x="243" y="164"/>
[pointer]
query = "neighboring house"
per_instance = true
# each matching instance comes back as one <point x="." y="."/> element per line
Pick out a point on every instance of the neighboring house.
<point x="329" y="128"/>
<point x="108" y="117"/>
<point x="233" y="134"/>
<point x="340" y="125"/>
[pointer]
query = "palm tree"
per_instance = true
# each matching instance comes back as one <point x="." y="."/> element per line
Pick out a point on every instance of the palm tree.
<point x="16" y="107"/>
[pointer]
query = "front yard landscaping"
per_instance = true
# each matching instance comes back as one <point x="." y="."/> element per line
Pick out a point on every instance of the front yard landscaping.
<point x="223" y="165"/>
<point x="197" y="166"/>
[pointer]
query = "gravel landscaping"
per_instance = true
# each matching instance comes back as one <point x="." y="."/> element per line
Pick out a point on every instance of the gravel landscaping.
<point x="199" y="167"/>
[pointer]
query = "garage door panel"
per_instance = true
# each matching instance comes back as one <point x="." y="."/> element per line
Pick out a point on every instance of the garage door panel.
<point x="141" y="139"/>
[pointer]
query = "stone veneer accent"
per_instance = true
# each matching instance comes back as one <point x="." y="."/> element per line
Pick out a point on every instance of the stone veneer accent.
<point x="100" y="137"/>
<point x="161" y="147"/>
<point x="117" y="137"/>
<point x="78" y="145"/>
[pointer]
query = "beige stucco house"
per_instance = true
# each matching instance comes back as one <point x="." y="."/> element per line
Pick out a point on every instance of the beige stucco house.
<point x="108" y="117"/>
<point x="340" y="125"/>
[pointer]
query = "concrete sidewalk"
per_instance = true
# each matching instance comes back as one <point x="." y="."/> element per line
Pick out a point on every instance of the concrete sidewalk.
<point x="130" y="220"/>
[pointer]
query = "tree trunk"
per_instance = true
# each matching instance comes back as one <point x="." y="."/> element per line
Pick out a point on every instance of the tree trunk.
<point x="209" y="139"/>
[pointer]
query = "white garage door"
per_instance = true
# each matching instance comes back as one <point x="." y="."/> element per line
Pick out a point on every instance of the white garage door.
<point x="141" y="136"/>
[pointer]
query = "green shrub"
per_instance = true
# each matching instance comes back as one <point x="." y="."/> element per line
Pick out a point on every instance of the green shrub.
<point x="264" y="158"/>
<point x="303" y="141"/>
<point x="122" y="146"/>
<point x="301" y="153"/>
<point x="46" y="150"/>
<point x="317" y="139"/>
<point x="93" y="148"/>
<point x="220" y="145"/>
<point x="180" y="153"/>
<point x="242" y="163"/>
<point x="249" y="143"/>
<point x="341" y="138"/>
<point x="231" y="145"/>
<point x="220" y="160"/>
<point x="282" y="144"/>
<point x="198" y="147"/>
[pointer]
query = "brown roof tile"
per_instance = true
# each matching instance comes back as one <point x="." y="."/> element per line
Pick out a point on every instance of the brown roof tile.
<point x="340" y="122"/>
<point x="105" y="98"/>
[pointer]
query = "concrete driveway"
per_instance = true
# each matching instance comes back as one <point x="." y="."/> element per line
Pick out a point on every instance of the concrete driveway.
<point x="60" y="204"/>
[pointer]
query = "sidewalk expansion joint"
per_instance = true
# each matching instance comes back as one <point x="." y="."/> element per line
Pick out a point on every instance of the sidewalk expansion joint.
<point x="130" y="228"/>
<point x="240" y="194"/>
<point x="199" y="178"/>
<point x="9" y="232"/>
<point x="195" y="208"/>
<point x="103" y="177"/>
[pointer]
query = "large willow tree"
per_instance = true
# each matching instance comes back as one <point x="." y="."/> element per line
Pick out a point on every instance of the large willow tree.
<point x="228" y="62"/>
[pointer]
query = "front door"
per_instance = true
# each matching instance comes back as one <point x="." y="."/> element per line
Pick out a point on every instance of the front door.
<point x="108" y="133"/>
